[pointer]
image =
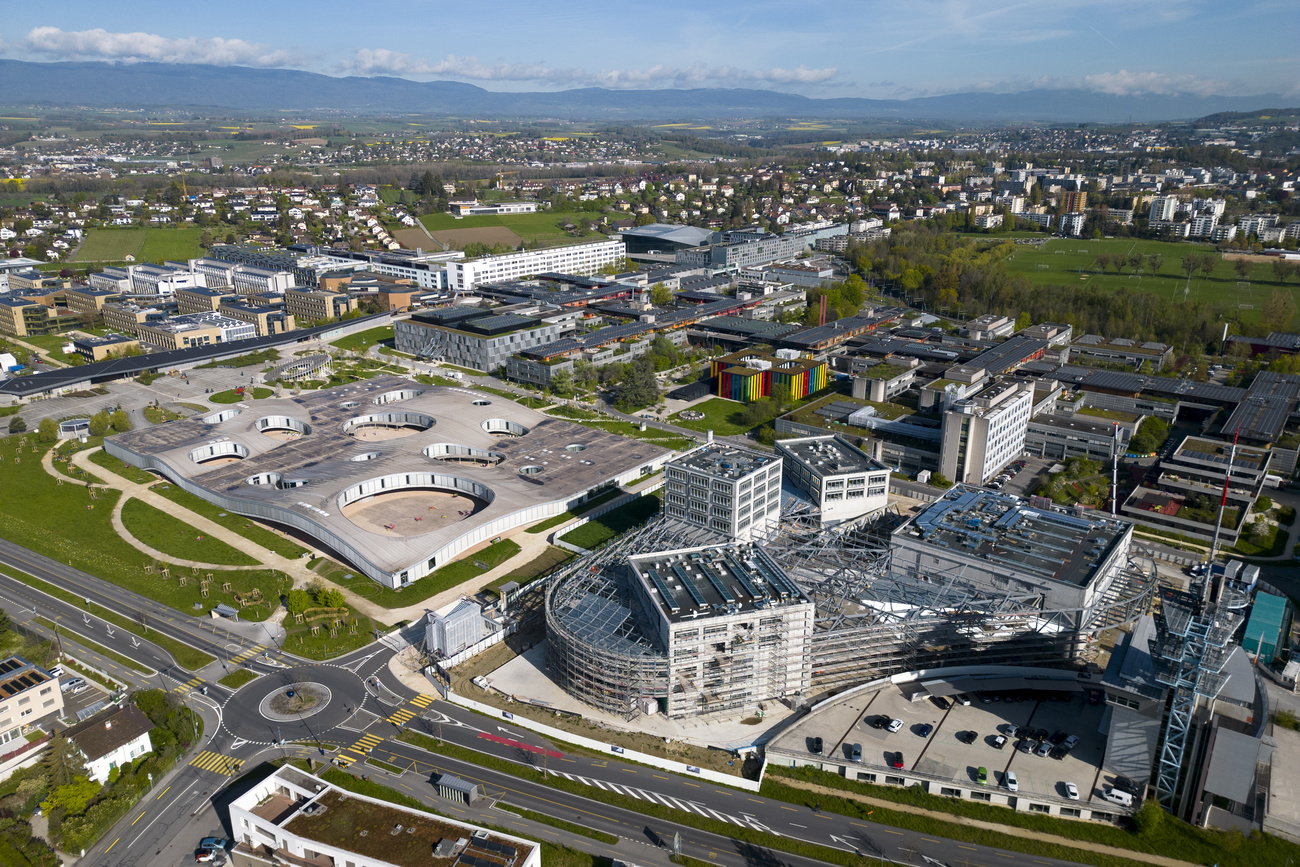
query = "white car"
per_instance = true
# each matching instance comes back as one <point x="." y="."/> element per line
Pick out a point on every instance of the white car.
<point x="894" y="725"/>
<point x="1071" y="742"/>
<point x="1010" y="782"/>
<point x="1072" y="791"/>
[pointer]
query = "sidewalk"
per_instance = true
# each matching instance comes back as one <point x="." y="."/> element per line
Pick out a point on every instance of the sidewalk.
<point x="1132" y="854"/>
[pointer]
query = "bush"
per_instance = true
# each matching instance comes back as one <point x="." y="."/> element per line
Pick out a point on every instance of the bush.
<point x="1263" y="504"/>
<point x="17" y="425"/>
<point x="47" y="431"/>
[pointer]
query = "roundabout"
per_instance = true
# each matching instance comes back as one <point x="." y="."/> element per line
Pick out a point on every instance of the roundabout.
<point x="297" y="704"/>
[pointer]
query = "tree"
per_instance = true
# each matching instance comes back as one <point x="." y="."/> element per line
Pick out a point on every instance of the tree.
<point x="1242" y="267"/>
<point x="47" y="431"/>
<point x="297" y="601"/>
<point x="1150" y="436"/>
<point x="1154" y="262"/>
<point x="121" y="423"/>
<point x="640" y="387"/>
<point x="99" y="423"/>
<point x="72" y="797"/>
<point x="63" y="762"/>
<point x="584" y="373"/>
<point x="562" y="383"/>
<point x="660" y="295"/>
<point x="1279" y="310"/>
<point x="17" y="425"/>
<point x="1023" y="321"/>
<point x="332" y="598"/>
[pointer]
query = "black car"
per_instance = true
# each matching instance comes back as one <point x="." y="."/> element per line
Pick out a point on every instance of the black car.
<point x="1057" y="737"/>
<point x="1059" y="753"/>
<point x="879" y="721"/>
<point x="968" y="737"/>
<point x="1040" y="734"/>
<point x="816" y="746"/>
<point x="1022" y="732"/>
<point x="940" y="702"/>
<point x="1124" y="784"/>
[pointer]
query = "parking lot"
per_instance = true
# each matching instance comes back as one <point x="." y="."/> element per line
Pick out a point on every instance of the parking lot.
<point x="964" y="739"/>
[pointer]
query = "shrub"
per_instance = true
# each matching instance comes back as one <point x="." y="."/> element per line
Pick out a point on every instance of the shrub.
<point x="1263" y="504"/>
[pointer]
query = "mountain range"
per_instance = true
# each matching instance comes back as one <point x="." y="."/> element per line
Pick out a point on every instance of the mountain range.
<point x="244" y="89"/>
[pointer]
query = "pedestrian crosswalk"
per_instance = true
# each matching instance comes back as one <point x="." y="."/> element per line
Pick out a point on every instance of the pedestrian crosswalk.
<point x="217" y="763"/>
<point x="248" y="654"/>
<point x="667" y="801"/>
<point x="422" y="701"/>
<point x="358" y="751"/>
<point x="192" y="683"/>
<point x="402" y="716"/>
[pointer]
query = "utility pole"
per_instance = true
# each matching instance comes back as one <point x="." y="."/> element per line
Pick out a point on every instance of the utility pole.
<point x="1223" y="503"/>
<point x="1114" y="468"/>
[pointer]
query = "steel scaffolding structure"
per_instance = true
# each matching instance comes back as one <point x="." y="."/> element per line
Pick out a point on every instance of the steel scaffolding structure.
<point x="869" y="623"/>
<point x="1193" y="642"/>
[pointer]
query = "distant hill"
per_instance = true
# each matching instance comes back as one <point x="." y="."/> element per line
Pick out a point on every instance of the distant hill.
<point x="101" y="85"/>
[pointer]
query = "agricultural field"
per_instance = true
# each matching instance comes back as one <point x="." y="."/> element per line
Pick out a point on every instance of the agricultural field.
<point x="1073" y="262"/>
<point x="544" y="226"/>
<point x="146" y="245"/>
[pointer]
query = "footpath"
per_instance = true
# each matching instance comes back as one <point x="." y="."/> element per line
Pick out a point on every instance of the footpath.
<point x="1028" y="834"/>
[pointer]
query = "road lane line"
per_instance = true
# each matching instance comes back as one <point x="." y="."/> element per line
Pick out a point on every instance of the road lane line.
<point x="111" y="845"/>
<point x="138" y="818"/>
<point x="163" y="792"/>
<point x="162" y="813"/>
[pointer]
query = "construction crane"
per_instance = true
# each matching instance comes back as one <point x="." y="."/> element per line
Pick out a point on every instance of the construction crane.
<point x="500" y="175"/>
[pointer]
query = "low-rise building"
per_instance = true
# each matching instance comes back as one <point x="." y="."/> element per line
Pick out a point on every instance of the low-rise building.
<point x="465" y="275"/>
<point x="266" y="320"/>
<point x="94" y="349"/>
<point x="471" y="336"/>
<point x="990" y="326"/>
<point x="20" y="317"/>
<point x="308" y="305"/>
<point x="201" y="299"/>
<point x="89" y="301"/>
<point x="198" y="329"/>
<point x="732" y="491"/>
<point x="112" y="738"/>
<point x="750" y="375"/>
<point x="1121" y="351"/>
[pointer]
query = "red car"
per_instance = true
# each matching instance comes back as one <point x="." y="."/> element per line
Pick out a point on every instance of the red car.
<point x="897" y="760"/>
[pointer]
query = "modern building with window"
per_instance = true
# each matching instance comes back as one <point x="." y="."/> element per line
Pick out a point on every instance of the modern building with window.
<point x="454" y="628"/>
<point x="464" y="276"/>
<point x="471" y="336"/>
<point x="985" y="430"/>
<point x="94" y="349"/>
<point x="732" y="491"/>
<point x="750" y="375"/>
<point x="317" y="305"/>
<point x="198" y="329"/>
<point x="843" y="481"/>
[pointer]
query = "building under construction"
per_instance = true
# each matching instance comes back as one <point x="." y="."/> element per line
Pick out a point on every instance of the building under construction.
<point x="607" y="646"/>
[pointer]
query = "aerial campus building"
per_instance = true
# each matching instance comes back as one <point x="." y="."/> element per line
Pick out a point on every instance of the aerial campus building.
<point x="396" y="478"/>
<point x="683" y="618"/>
<point x="842" y="480"/>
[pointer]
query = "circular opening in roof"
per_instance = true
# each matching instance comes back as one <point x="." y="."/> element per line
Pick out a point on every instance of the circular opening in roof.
<point x="481" y="402"/>
<point x="219" y="417"/>
<point x="575" y="447"/>
<point x="282" y="427"/>
<point x="264" y="479"/>
<point x="395" y="396"/>
<point x="364" y="456"/>
<point x="531" y="470"/>
<point x="214" y="454"/>
<point x="349" y="404"/>
<point x="387" y="425"/>
<point x="459" y="454"/>
<point x="503" y="427"/>
<point x="412" y="504"/>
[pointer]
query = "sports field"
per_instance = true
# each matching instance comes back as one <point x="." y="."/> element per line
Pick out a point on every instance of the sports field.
<point x="146" y="245"/>
<point x="1073" y="262"/>
<point x="543" y="226"/>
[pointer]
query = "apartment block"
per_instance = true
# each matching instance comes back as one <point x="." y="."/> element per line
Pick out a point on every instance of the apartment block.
<point x="464" y="276"/>
<point x="729" y="490"/>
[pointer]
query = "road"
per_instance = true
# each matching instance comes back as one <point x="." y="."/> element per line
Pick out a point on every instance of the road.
<point x="367" y="707"/>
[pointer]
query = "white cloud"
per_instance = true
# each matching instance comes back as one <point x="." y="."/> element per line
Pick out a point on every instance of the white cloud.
<point x="102" y="44"/>
<point x="382" y="61"/>
<point x="1125" y="83"/>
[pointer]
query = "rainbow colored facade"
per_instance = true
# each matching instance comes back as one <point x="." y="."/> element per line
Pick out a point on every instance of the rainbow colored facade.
<point x="748" y="375"/>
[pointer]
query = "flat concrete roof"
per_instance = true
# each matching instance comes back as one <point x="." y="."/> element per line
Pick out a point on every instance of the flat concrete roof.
<point x="545" y="462"/>
<point x="724" y="462"/>
<point x="829" y="456"/>
<point x="691" y="581"/>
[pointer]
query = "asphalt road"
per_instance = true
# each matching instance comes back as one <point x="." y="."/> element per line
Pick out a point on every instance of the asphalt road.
<point x="368" y="707"/>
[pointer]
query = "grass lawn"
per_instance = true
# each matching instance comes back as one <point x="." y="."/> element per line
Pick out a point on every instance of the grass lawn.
<point x="363" y="340"/>
<point x="236" y="679"/>
<point x="231" y="397"/>
<point x="158" y="415"/>
<point x="51" y="345"/>
<point x="427" y="379"/>
<point x="110" y="245"/>
<point x="193" y="407"/>
<point x="1070" y="262"/>
<point x="245" y="527"/>
<point x="63" y="522"/>
<point x="581" y="510"/>
<point x="544" y="563"/>
<point x="614" y="523"/>
<point x="324" y="645"/>
<point x="175" y="244"/>
<point x="455" y="573"/>
<point x="121" y="468"/>
<point x="175" y="538"/>
<point x="632" y="431"/>
<point x="723" y="417"/>
<point x="542" y="226"/>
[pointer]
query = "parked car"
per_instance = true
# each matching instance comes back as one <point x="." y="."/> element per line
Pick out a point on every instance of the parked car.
<point x="70" y="685"/>
<point x="967" y="737"/>
<point x="924" y="730"/>
<point x="982" y="776"/>
<point x="1025" y="745"/>
<point x="894" y="725"/>
<point x="1007" y="729"/>
<point x="896" y="761"/>
<point x="940" y="702"/>
<point x="1072" y="791"/>
<point x="1124" y="784"/>
<point x="816" y="748"/>
<point x="879" y="721"/>
<point x="1043" y="749"/>
<point x="1010" y="782"/>
<point x="1071" y="742"/>
<point x="1094" y="697"/>
<point x="855" y="753"/>
<point x="963" y="699"/>
<point x="1057" y="738"/>
<point x="1117" y="796"/>
<point x="999" y="742"/>
<point x="214" y="843"/>
<point x="204" y="855"/>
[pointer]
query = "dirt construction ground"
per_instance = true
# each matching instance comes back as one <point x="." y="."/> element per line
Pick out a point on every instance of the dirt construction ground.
<point x="486" y="235"/>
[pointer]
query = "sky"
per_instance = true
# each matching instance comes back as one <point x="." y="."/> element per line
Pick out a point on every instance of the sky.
<point x="867" y="48"/>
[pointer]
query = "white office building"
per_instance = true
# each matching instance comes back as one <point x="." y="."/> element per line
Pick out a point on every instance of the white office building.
<point x="162" y="280"/>
<point x="465" y="275"/>
<point x="729" y="490"/>
<point x="841" y="480"/>
<point x="1163" y="208"/>
<point x="984" y="431"/>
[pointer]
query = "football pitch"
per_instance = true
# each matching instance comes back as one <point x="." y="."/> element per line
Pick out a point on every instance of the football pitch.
<point x="1073" y="262"/>
<point x="144" y="245"/>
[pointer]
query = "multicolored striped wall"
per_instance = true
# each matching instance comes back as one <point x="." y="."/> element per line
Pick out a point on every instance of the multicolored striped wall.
<point x="736" y="381"/>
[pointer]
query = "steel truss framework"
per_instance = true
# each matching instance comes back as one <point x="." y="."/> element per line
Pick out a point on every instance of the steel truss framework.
<point x="870" y="622"/>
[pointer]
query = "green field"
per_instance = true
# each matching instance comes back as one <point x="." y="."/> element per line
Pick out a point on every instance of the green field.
<point x="1072" y="262"/>
<point x="146" y="245"/>
<point x="232" y="396"/>
<point x="616" y="522"/>
<point x="174" y="538"/>
<point x="363" y="340"/>
<point x="542" y="226"/>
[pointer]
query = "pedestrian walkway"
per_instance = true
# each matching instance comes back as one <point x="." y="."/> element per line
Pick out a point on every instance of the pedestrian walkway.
<point x="217" y="763"/>
<point x="1012" y="830"/>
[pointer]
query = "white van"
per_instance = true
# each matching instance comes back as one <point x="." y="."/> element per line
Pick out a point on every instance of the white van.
<point x="1115" y="796"/>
